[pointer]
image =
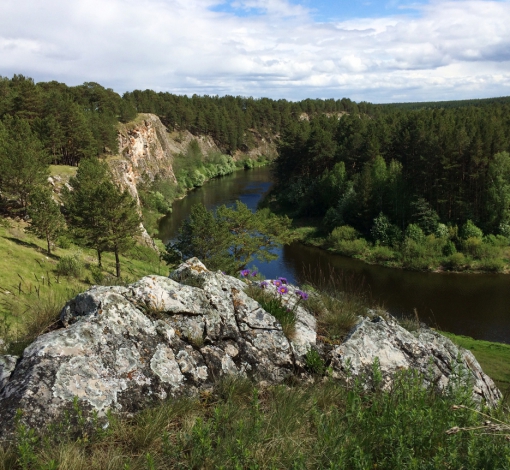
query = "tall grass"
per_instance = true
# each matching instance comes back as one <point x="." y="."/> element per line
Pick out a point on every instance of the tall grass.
<point x="337" y="301"/>
<point x="318" y="426"/>
<point x="34" y="309"/>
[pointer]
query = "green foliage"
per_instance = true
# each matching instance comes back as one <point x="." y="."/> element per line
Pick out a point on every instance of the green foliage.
<point x="23" y="161"/>
<point x="100" y="215"/>
<point x="64" y="242"/>
<point x="46" y="219"/>
<point x="470" y="230"/>
<point x="229" y="238"/>
<point x="384" y="232"/>
<point x="71" y="266"/>
<point x="449" y="248"/>
<point x="337" y="426"/>
<point x="314" y="362"/>
<point x="344" y="232"/>
<point x="455" y="262"/>
<point x="415" y="233"/>
<point x="354" y="248"/>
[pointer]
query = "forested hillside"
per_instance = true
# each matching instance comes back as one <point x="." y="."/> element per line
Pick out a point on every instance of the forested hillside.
<point x="445" y="164"/>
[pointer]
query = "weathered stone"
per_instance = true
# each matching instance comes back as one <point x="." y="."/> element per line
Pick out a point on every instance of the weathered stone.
<point x="7" y="365"/>
<point x="122" y="348"/>
<point x="431" y="354"/>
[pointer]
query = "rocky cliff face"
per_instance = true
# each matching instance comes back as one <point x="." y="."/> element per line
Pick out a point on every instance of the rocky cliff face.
<point x="123" y="348"/>
<point x="147" y="149"/>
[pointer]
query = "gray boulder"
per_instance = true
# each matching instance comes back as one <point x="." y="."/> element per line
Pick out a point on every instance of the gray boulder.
<point x="430" y="353"/>
<point x="124" y="348"/>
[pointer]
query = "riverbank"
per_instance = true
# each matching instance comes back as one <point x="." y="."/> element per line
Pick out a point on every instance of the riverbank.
<point x="157" y="197"/>
<point x="488" y="255"/>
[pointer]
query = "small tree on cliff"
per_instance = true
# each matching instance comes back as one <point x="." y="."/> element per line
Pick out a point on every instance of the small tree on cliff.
<point x="46" y="219"/>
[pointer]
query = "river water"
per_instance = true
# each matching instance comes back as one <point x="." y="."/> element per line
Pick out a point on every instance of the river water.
<point x="476" y="305"/>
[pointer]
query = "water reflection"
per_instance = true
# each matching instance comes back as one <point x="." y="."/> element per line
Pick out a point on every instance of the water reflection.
<point x="473" y="305"/>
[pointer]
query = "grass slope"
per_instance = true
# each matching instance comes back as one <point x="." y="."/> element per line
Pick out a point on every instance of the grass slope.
<point x="32" y="292"/>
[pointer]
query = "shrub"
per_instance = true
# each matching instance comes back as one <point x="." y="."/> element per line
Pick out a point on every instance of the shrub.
<point x="382" y="253"/>
<point x="470" y="230"/>
<point x="97" y="274"/>
<point x="442" y="231"/>
<point x="70" y="266"/>
<point x="492" y="264"/>
<point x="63" y="242"/>
<point x="415" y="233"/>
<point x="472" y="246"/>
<point x="314" y="362"/>
<point x="504" y="230"/>
<point x="449" y="248"/>
<point x="345" y="232"/>
<point x="357" y="247"/>
<point x="455" y="262"/>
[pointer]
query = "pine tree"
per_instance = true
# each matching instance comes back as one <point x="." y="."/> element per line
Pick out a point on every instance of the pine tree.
<point x="23" y="161"/>
<point x="46" y="219"/>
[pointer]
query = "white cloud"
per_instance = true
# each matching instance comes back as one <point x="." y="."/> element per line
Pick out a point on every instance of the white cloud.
<point x="451" y="50"/>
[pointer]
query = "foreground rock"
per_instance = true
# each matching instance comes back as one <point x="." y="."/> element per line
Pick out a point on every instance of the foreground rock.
<point x="123" y="348"/>
<point x="431" y="354"/>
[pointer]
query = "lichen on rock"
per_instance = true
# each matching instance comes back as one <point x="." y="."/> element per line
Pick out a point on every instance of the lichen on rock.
<point x="124" y="348"/>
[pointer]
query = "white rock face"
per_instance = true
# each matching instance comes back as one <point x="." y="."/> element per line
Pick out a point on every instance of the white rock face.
<point x="123" y="348"/>
<point x="430" y="353"/>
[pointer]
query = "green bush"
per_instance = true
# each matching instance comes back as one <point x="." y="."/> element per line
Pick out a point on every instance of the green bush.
<point x="492" y="264"/>
<point x="455" y="262"/>
<point x="70" y="266"/>
<point x="504" y="230"/>
<point x="442" y="231"/>
<point x="470" y="230"/>
<point x="415" y="233"/>
<point x="345" y="232"/>
<point x="384" y="232"/>
<point x="314" y="362"/>
<point x="382" y="253"/>
<point x="97" y="274"/>
<point x="354" y="248"/>
<point x="472" y="246"/>
<point x="64" y="242"/>
<point x="449" y="248"/>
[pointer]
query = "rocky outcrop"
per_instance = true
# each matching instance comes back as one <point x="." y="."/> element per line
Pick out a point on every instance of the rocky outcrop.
<point x="431" y="354"/>
<point x="123" y="348"/>
<point x="145" y="152"/>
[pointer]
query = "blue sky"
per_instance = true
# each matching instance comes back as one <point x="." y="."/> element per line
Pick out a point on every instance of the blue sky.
<point x="341" y="10"/>
<point x="378" y="51"/>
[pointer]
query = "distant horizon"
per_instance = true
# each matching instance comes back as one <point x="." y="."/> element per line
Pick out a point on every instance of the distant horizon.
<point x="394" y="51"/>
<point x="267" y="97"/>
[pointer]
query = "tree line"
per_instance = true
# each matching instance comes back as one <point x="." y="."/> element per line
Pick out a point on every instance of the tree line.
<point x="451" y="164"/>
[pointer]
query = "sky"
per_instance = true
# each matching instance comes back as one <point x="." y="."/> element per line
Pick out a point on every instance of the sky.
<point x="366" y="50"/>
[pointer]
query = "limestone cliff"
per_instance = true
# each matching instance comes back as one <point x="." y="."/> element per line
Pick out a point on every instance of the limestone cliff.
<point x="147" y="149"/>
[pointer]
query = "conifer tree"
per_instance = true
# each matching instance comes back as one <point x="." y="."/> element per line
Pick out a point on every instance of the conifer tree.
<point x="46" y="219"/>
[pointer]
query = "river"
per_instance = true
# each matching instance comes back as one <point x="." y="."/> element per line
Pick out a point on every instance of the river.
<point x="476" y="305"/>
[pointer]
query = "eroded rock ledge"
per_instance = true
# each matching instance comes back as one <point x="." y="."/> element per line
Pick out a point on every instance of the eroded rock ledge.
<point x="123" y="348"/>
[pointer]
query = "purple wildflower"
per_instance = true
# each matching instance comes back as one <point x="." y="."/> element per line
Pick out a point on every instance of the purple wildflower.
<point x="254" y="273"/>
<point x="283" y="279"/>
<point x="245" y="273"/>
<point x="263" y="284"/>
<point x="282" y="290"/>
<point x="277" y="283"/>
<point x="302" y="294"/>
